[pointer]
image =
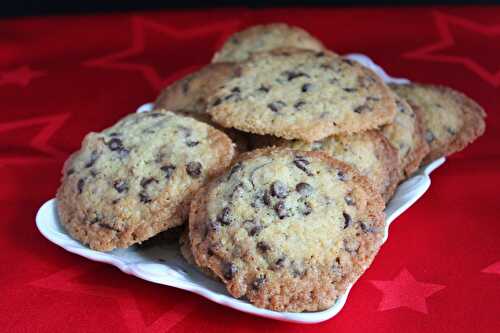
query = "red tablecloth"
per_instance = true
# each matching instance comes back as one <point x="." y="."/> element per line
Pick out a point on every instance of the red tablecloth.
<point x="61" y="77"/>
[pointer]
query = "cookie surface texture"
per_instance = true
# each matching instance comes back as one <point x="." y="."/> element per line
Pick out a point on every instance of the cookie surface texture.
<point x="135" y="179"/>
<point x="287" y="230"/>
<point x="299" y="94"/>
<point x="264" y="38"/>
<point x="451" y="119"/>
<point x="369" y="152"/>
<point x="407" y="135"/>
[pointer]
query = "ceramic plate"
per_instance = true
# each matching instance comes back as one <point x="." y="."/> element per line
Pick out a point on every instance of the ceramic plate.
<point x="163" y="264"/>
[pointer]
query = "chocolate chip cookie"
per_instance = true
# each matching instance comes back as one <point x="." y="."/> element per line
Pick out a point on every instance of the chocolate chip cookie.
<point x="188" y="96"/>
<point x="264" y="38"/>
<point x="135" y="179"/>
<point x="190" y="93"/>
<point x="289" y="230"/>
<point x="369" y="152"/>
<point x="451" y="119"/>
<point x="301" y="94"/>
<point x="406" y="134"/>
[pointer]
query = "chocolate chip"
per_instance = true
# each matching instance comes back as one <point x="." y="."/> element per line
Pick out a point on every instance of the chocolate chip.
<point x="146" y="181"/>
<point x="307" y="209"/>
<point x="120" y="185"/>
<point x="114" y="134"/>
<point x="306" y="87"/>
<point x="93" y="158"/>
<point x="279" y="263"/>
<point x="276" y="106"/>
<point x="292" y="75"/>
<point x="80" y="184"/>
<point x="279" y="190"/>
<point x="263" y="246"/>
<point x="299" y="105"/>
<point x="259" y="282"/>
<point x="347" y="220"/>
<point x="107" y="226"/>
<point x="192" y="143"/>
<point x="229" y="270"/>
<point x="255" y="230"/>
<point x="302" y="163"/>
<point x="168" y="169"/>
<point x="429" y="136"/>
<point x="264" y="89"/>
<point x="280" y="209"/>
<point x="236" y="90"/>
<point x="70" y="172"/>
<point x="115" y="144"/>
<point x="237" y="167"/>
<point x="194" y="169"/>
<point x="341" y="175"/>
<point x="348" y="61"/>
<point x="144" y="198"/>
<point x="336" y="267"/>
<point x="185" y="87"/>
<point x="123" y="152"/>
<point x="224" y="217"/>
<point x="375" y="99"/>
<point x="451" y="131"/>
<point x="320" y="54"/>
<point x="366" y="227"/>
<point x="349" y="200"/>
<point x="155" y="114"/>
<point x="362" y="108"/>
<point x="216" y="102"/>
<point x="350" y="90"/>
<point x="267" y="198"/>
<point x="304" y="189"/>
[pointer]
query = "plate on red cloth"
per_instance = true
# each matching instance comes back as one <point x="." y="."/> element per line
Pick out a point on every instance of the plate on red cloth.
<point x="163" y="263"/>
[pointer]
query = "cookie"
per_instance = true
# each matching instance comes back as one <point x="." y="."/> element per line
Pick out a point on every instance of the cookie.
<point x="451" y="119"/>
<point x="189" y="94"/>
<point x="406" y="134"/>
<point x="300" y="94"/>
<point x="369" y="152"/>
<point x="287" y="230"/>
<point x="264" y="38"/>
<point x="135" y="179"/>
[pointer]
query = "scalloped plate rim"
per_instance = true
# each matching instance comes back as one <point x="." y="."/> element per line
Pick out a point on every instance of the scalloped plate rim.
<point x="418" y="184"/>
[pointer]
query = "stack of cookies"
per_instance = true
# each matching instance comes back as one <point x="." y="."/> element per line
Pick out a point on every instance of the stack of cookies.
<point x="277" y="160"/>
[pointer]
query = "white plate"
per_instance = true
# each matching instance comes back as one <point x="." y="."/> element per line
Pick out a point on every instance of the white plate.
<point x="163" y="264"/>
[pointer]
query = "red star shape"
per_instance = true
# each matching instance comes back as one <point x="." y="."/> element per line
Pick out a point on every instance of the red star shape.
<point x="40" y="142"/>
<point x="163" y="53"/>
<point x="405" y="291"/>
<point x="464" y="42"/>
<point x="494" y="268"/>
<point x="68" y="280"/>
<point x="21" y="76"/>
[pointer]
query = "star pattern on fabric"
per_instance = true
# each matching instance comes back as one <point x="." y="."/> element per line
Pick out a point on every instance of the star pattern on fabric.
<point x="67" y="280"/>
<point x="405" y="291"/>
<point x="142" y="55"/>
<point x="39" y="142"/>
<point x="463" y="42"/>
<point x="21" y="76"/>
<point x="493" y="268"/>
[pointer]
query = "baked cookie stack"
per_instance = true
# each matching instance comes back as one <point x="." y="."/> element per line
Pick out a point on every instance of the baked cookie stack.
<point x="277" y="158"/>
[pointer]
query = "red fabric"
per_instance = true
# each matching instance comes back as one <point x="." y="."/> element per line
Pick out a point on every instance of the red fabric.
<point x="61" y="77"/>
